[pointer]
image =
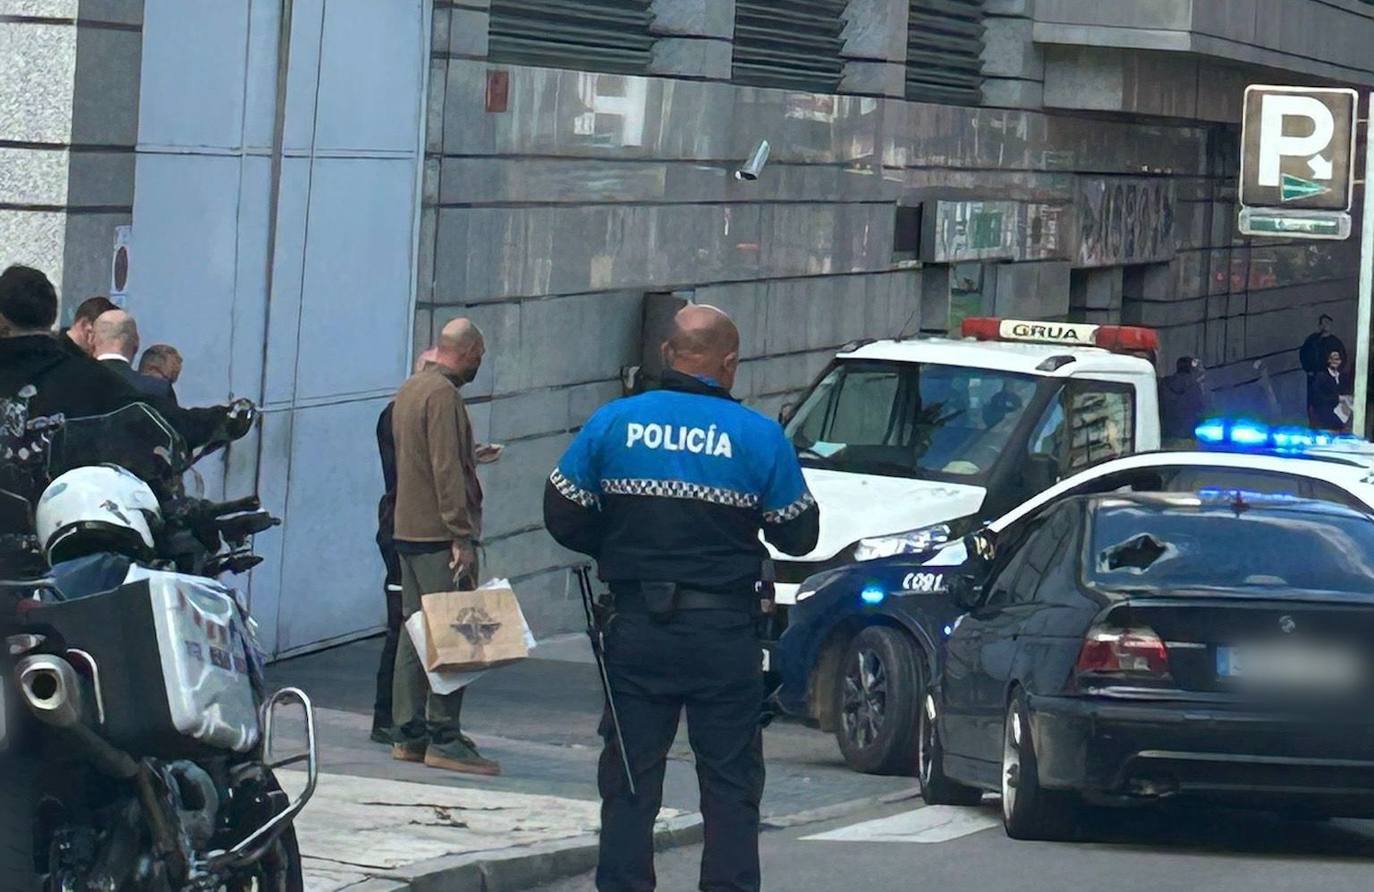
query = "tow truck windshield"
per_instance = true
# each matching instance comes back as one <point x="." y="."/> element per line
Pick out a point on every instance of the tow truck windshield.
<point x="907" y="419"/>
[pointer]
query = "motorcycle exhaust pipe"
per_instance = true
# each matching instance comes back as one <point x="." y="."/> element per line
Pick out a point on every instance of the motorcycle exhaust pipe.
<point x="51" y="689"/>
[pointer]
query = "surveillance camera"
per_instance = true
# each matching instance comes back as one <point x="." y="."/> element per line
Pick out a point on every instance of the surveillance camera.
<point x="751" y="170"/>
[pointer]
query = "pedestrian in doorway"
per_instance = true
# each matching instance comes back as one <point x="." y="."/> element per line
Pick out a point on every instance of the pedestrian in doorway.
<point x="669" y="491"/>
<point x="1182" y="404"/>
<point x="438" y="524"/>
<point x="1314" y="352"/>
<point x="1328" y="410"/>
<point x="162" y="361"/>
<point x="386" y="542"/>
<point x="77" y="338"/>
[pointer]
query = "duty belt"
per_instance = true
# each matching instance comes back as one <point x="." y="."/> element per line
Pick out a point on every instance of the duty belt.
<point x="633" y="597"/>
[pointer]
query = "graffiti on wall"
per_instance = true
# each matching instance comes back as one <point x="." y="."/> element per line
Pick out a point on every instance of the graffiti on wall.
<point x="1123" y="220"/>
<point x="958" y="231"/>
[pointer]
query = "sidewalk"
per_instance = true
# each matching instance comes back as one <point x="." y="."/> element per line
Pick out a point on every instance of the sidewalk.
<point x="376" y="824"/>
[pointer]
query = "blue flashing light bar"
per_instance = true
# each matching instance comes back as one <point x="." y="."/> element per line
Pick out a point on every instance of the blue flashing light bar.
<point x="873" y="594"/>
<point x="1243" y="434"/>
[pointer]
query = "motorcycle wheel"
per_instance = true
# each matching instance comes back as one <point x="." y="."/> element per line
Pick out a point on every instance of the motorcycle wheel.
<point x="18" y="811"/>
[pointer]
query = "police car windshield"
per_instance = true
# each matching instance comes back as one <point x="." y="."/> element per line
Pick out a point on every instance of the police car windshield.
<point x="907" y="419"/>
<point x="1277" y="550"/>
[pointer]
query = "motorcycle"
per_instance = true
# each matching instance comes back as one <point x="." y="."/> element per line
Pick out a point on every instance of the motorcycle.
<point x="139" y="741"/>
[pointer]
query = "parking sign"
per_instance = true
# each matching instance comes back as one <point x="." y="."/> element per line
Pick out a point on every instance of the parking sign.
<point x="1298" y="148"/>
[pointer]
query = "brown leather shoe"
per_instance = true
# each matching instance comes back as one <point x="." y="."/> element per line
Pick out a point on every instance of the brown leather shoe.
<point x="471" y="765"/>
<point x="403" y="752"/>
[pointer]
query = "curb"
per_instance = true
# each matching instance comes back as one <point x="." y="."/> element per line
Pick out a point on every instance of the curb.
<point x="531" y="866"/>
<point x="551" y="861"/>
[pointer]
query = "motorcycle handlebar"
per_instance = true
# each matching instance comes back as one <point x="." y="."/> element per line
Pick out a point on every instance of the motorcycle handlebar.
<point x="233" y="506"/>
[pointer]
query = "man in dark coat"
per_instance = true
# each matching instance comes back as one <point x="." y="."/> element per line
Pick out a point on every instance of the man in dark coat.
<point x="1328" y="386"/>
<point x="78" y="338"/>
<point x="115" y="342"/>
<point x="1314" y="352"/>
<point x="1182" y="404"/>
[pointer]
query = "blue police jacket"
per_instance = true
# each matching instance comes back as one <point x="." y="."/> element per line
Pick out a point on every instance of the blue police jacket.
<point x="675" y="486"/>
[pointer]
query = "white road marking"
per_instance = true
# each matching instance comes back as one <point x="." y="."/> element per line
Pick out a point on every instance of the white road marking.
<point x="934" y="823"/>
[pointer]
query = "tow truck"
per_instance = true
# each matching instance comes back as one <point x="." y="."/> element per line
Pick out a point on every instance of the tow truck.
<point x="907" y="444"/>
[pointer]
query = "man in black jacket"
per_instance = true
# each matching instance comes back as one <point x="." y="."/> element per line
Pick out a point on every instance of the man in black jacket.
<point x="77" y="339"/>
<point x="669" y="492"/>
<point x="41" y="378"/>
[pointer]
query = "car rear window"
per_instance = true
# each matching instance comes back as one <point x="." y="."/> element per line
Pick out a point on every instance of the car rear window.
<point x="1160" y="547"/>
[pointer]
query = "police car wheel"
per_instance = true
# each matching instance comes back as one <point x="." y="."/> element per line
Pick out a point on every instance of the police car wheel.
<point x="879" y="688"/>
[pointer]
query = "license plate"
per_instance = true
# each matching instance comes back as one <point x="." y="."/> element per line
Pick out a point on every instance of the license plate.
<point x="1288" y="664"/>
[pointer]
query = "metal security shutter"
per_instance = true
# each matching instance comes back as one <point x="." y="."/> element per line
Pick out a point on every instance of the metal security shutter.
<point x="944" y="52"/>
<point x="793" y="44"/>
<point x="592" y="35"/>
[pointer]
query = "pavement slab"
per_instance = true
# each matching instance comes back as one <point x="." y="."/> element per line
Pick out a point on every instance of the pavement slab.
<point x="379" y="825"/>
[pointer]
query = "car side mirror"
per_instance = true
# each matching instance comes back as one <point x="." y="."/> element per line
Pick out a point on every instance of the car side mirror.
<point x="966" y="591"/>
<point x="1042" y="472"/>
<point x="786" y="412"/>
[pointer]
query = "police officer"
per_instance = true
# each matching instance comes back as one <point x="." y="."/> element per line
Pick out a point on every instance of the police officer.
<point x="668" y="491"/>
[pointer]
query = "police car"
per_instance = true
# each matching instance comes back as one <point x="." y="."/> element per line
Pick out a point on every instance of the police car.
<point x="909" y="443"/>
<point x="863" y="639"/>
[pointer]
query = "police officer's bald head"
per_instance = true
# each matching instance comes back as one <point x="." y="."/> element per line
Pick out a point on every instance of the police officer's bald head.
<point x="704" y="342"/>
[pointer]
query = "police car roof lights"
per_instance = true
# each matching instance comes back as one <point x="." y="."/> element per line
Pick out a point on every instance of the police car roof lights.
<point x="1244" y="434"/>
<point x="1118" y="338"/>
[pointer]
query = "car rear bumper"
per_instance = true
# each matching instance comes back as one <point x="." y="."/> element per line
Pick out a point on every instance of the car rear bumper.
<point x="1122" y="748"/>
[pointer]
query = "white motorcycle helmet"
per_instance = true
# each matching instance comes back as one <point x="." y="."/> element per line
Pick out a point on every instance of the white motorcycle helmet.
<point x="94" y="509"/>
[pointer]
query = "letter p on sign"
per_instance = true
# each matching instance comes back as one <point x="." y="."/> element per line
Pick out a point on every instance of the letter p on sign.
<point x="1275" y="146"/>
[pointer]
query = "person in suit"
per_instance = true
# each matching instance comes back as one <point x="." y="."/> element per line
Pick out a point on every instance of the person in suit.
<point x="115" y="341"/>
<point x="1328" y="386"/>
<point x="162" y="361"/>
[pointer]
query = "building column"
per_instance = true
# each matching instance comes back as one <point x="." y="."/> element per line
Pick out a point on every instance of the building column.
<point x="875" y="39"/>
<point x="1013" y="66"/>
<point x="68" y="126"/>
<point x="694" y="38"/>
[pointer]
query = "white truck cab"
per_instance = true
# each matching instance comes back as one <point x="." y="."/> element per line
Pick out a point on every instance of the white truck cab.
<point x="908" y="443"/>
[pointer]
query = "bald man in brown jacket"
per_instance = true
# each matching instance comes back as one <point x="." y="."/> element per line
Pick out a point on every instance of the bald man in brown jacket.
<point x="438" y="525"/>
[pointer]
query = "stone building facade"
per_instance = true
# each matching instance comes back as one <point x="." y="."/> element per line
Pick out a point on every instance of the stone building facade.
<point x="1078" y="162"/>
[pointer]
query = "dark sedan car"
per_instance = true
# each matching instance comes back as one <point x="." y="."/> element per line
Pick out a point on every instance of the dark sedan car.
<point x="1125" y="648"/>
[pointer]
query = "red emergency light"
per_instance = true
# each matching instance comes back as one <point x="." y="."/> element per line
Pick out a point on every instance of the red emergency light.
<point x="1120" y="338"/>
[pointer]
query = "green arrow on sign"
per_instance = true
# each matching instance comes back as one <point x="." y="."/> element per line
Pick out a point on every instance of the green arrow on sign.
<point x="1295" y="188"/>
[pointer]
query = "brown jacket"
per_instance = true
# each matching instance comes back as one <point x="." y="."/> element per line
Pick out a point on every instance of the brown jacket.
<point x="438" y="497"/>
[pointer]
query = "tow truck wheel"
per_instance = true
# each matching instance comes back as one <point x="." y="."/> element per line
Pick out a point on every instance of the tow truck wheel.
<point x="879" y="688"/>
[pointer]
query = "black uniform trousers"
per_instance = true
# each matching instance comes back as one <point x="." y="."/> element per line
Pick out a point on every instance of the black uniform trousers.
<point x="386" y="670"/>
<point x="708" y="662"/>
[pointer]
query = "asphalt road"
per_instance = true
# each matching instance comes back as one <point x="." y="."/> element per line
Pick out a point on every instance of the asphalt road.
<point x="905" y="847"/>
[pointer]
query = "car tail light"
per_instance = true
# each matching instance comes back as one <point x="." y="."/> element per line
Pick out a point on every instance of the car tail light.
<point x="1136" y="652"/>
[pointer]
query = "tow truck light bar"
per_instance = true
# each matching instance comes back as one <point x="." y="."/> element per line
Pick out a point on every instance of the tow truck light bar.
<point x="1122" y="338"/>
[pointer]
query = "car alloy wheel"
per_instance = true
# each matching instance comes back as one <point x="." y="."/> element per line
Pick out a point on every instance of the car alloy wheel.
<point x="1012" y="742"/>
<point x="865" y="698"/>
<point x="925" y="746"/>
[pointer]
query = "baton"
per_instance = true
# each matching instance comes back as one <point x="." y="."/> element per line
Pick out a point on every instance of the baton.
<point x="594" y="632"/>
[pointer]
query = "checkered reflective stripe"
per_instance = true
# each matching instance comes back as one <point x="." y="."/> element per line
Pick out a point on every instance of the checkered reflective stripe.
<point x="678" y="489"/>
<point x="790" y="512"/>
<point x="572" y="492"/>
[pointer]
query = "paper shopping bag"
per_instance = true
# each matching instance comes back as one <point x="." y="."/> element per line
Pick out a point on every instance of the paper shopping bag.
<point x="473" y="630"/>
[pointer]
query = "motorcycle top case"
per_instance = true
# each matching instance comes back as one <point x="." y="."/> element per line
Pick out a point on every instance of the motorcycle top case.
<point x="173" y="658"/>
